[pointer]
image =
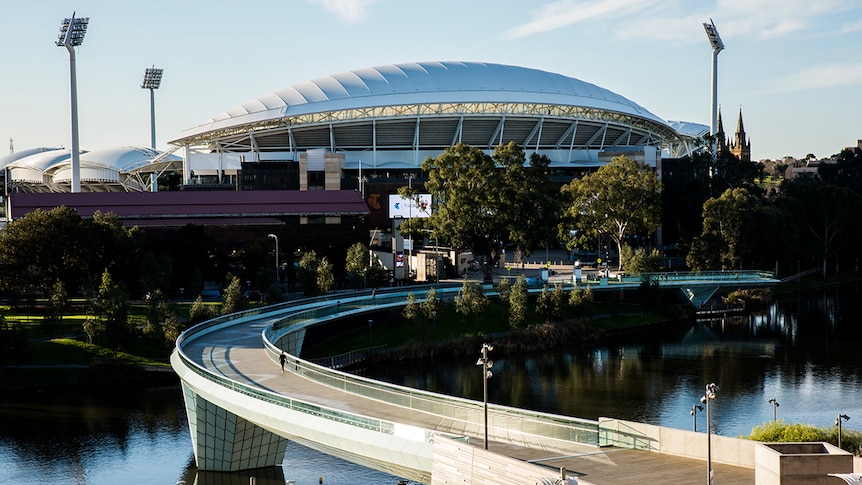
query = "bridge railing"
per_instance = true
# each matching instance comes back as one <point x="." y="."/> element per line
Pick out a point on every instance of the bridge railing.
<point x="503" y="421"/>
<point x="289" y="403"/>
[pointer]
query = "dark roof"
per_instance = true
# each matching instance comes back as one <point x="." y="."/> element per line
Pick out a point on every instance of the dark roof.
<point x="198" y="207"/>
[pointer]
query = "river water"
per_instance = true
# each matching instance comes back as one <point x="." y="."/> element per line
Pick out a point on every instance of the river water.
<point x="803" y="352"/>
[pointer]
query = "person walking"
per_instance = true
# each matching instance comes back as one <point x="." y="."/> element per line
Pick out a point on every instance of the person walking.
<point x="282" y="358"/>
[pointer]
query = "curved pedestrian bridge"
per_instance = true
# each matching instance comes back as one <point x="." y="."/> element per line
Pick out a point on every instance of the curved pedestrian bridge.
<point x="243" y="407"/>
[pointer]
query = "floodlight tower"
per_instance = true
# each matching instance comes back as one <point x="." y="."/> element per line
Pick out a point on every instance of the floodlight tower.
<point x="717" y="46"/>
<point x="72" y="35"/>
<point x="152" y="80"/>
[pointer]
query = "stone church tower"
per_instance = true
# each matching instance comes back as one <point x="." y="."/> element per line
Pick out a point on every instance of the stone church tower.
<point x="740" y="146"/>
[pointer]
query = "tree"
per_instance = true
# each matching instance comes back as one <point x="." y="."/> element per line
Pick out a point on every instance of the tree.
<point x="431" y="304"/>
<point x="827" y="216"/>
<point x="411" y="310"/>
<point x="308" y="265"/>
<point x="200" y="311"/>
<point x="482" y="208"/>
<point x="111" y="305"/>
<point x="232" y="301"/>
<point x="527" y="197"/>
<point x="356" y="264"/>
<point x="620" y="199"/>
<point x="640" y="260"/>
<point x="325" y="276"/>
<point x="157" y="312"/>
<point x="471" y="300"/>
<point x="59" y="298"/>
<point x="462" y="181"/>
<point x="740" y="230"/>
<point x="580" y="300"/>
<point x="518" y="302"/>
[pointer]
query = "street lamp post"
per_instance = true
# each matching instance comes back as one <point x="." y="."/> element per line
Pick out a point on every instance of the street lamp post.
<point x="841" y="417"/>
<point x="486" y="374"/>
<point x="694" y="409"/>
<point x="277" y="279"/>
<point x="775" y="405"/>
<point x="708" y="396"/>
<point x="72" y="35"/>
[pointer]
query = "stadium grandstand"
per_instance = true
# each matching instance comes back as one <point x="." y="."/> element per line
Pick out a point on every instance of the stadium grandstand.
<point x="358" y="136"/>
<point x="389" y="118"/>
<point x="323" y="133"/>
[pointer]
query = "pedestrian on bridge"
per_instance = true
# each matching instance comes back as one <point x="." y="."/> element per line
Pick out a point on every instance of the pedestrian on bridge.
<point x="282" y="358"/>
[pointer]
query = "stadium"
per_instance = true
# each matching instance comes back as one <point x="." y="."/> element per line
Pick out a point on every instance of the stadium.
<point x="389" y="118"/>
<point x="331" y="132"/>
<point x="320" y="159"/>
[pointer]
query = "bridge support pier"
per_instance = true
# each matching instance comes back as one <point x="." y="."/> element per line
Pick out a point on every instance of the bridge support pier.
<point x="225" y="442"/>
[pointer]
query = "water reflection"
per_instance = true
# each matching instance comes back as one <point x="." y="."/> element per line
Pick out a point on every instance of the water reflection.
<point x="70" y="436"/>
<point x="803" y="351"/>
<point x="132" y="436"/>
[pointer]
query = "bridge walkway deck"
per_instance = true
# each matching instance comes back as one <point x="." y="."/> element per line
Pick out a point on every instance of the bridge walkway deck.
<point x="237" y="352"/>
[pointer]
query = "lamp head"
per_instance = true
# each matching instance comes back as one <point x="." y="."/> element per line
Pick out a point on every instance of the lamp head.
<point x="714" y="38"/>
<point x="152" y="78"/>
<point x="72" y="32"/>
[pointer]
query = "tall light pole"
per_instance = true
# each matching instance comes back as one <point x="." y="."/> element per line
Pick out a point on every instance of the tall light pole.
<point x="717" y="46"/>
<point x="775" y="405"/>
<point x="841" y="417"/>
<point x="694" y="409"/>
<point x="152" y="80"/>
<point x="708" y="396"/>
<point x="486" y="374"/>
<point x="277" y="279"/>
<point x="72" y="35"/>
<point x="410" y="222"/>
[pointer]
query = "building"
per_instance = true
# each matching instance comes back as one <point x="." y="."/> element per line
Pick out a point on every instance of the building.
<point x="740" y="145"/>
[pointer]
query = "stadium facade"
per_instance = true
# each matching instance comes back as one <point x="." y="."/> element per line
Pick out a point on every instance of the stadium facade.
<point x="388" y="119"/>
<point x="358" y="135"/>
<point x="330" y="132"/>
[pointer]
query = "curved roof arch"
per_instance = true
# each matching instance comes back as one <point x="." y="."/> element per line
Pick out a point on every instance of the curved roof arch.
<point x="422" y="83"/>
<point x="43" y="169"/>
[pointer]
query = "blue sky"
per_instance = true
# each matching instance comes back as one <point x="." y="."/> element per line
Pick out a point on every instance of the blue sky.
<point x="793" y="66"/>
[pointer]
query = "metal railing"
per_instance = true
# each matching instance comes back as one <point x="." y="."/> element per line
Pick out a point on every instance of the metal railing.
<point x="503" y="422"/>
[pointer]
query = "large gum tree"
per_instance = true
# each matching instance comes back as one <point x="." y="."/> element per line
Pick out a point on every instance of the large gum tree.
<point x="618" y="200"/>
<point x="483" y="203"/>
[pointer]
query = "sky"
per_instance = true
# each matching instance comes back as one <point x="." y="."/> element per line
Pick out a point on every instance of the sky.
<point x="794" y="67"/>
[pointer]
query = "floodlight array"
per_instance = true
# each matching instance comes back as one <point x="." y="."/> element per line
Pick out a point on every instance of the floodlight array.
<point x="152" y="78"/>
<point x="72" y="31"/>
<point x="714" y="38"/>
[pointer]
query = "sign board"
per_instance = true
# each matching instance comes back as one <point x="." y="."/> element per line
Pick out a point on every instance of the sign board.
<point x="404" y="208"/>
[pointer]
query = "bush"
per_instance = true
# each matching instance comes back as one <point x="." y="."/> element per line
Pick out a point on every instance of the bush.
<point x="780" y="432"/>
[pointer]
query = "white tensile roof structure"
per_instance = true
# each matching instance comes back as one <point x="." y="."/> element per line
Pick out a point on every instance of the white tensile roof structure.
<point x="396" y="115"/>
<point x="106" y="170"/>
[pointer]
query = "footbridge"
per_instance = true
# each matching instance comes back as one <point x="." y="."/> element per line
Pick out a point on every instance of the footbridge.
<point x="243" y="407"/>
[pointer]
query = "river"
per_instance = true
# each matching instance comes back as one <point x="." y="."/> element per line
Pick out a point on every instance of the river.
<point x="803" y="352"/>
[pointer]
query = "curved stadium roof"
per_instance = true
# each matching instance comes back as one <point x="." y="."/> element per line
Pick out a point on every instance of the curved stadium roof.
<point x="434" y="105"/>
<point x="105" y="170"/>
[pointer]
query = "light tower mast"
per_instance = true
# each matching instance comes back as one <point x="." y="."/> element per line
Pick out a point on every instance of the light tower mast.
<point x="72" y="35"/>
<point x="717" y="46"/>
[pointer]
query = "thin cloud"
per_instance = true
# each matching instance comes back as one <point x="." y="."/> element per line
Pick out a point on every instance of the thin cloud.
<point x="567" y="12"/>
<point x="349" y="11"/>
<point x="820" y="77"/>
<point x="676" y="20"/>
